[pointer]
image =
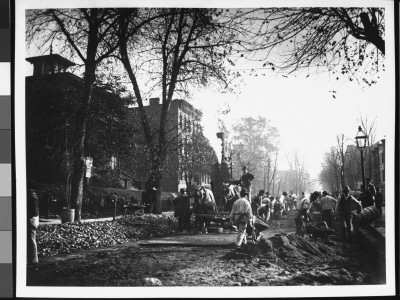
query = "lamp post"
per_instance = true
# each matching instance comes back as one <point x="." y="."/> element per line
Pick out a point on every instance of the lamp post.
<point x="361" y="140"/>
<point x="229" y="159"/>
<point x="220" y="135"/>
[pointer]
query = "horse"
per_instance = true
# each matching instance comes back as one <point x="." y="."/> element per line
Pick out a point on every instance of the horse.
<point x="231" y="193"/>
<point x="204" y="203"/>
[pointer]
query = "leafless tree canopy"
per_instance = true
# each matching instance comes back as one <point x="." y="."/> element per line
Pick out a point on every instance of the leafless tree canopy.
<point x="344" y="41"/>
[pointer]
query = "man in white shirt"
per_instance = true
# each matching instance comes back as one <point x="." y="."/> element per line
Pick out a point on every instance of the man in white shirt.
<point x="328" y="205"/>
<point x="240" y="215"/>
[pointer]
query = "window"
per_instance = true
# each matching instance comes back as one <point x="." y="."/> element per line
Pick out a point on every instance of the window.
<point x="189" y="126"/>
<point x="184" y="122"/>
<point x="180" y="121"/>
<point x="113" y="162"/>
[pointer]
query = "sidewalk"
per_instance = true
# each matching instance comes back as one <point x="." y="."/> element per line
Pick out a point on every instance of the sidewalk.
<point x="43" y="221"/>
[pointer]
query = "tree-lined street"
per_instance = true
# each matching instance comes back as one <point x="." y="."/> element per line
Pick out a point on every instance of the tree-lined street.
<point x="117" y="128"/>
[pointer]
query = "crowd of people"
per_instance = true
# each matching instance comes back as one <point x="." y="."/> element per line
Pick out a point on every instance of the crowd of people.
<point x="330" y="207"/>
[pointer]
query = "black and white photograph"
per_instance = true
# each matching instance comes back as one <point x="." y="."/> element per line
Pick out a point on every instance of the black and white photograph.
<point x="205" y="149"/>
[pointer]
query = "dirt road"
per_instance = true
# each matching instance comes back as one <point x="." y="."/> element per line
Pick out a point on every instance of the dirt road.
<point x="281" y="258"/>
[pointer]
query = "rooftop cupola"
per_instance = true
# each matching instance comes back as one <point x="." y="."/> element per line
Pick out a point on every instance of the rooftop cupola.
<point x="49" y="64"/>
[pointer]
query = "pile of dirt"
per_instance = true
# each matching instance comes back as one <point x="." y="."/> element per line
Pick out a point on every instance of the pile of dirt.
<point x="290" y="247"/>
<point x="304" y="261"/>
<point x="73" y="237"/>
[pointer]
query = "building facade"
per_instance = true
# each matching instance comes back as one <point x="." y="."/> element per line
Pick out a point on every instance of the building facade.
<point x="182" y="126"/>
<point x="374" y="165"/>
<point x="52" y="97"/>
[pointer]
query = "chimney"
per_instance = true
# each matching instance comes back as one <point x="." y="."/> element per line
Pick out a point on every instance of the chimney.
<point x="154" y="101"/>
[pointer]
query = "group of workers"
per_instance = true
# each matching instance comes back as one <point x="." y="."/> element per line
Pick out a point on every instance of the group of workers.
<point x="340" y="207"/>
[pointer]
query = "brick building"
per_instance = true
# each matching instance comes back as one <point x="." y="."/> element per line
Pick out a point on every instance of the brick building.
<point x="183" y="120"/>
<point x="52" y="96"/>
<point x="374" y="165"/>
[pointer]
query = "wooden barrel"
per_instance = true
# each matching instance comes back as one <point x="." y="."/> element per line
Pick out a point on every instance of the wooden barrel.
<point x="367" y="215"/>
<point x="67" y="215"/>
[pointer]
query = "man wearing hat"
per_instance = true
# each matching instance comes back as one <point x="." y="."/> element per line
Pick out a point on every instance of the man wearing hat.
<point x="240" y="215"/>
<point x="344" y="208"/>
<point x="245" y="181"/>
<point x="182" y="210"/>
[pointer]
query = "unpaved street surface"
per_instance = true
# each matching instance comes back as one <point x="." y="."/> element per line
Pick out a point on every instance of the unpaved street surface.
<point x="209" y="260"/>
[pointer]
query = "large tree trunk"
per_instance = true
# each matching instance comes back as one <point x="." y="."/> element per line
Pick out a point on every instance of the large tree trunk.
<point x="81" y="119"/>
<point x="78" y="153"/>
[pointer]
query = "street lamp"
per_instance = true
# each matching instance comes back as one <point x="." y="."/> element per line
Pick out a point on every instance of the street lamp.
<point x="220" y="135"/>
<point x="361" y="141"/>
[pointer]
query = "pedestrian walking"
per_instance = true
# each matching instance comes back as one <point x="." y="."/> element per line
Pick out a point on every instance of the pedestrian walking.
<point x="379" y="200"/>
<point x="183" y="211"/>
<point x="32" y="225"/>
<point x="344" y="208"/>
<point x="240" y="215"/>
<point x="328" y="205"/>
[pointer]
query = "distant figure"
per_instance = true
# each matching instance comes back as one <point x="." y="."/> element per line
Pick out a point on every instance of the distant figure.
<point x="328" y="205"/>
<point x="315" y="203"/>
<point x="150" y="195"/>
<point x="33" y="224"/>
<point x="278" y="209"/>
<point x="379" y="200"/>
<point x="287" y="202"/>
<point x="240" y="215"/>
<point x="293" y="196"/>
<point x="370" y="187"/>
<point x="256" y="202"/>
<point x="102" y="201"/>
<point x="366" y="198"/>
<point x="344" y="208"/>
<point x="301" y="215"/>
<point x="245" y="181"/>
<point x="183" y="211"/>
<point x="265" y="208"/>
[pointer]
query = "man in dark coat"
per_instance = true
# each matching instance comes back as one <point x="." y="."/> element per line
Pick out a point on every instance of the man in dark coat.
<point x="344" y="208"/>
<point x="183" y="211"/>
<point x="379" y="200"/>
<point x="150" y="195"/>
<point x="33" y="223"/>
<point x="256" y="202"/>
<point x="245" y="181"/>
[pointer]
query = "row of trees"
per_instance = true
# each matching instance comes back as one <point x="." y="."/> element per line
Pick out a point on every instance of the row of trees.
<point x="255" y="145"/>
<point x="172" y="50"/>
